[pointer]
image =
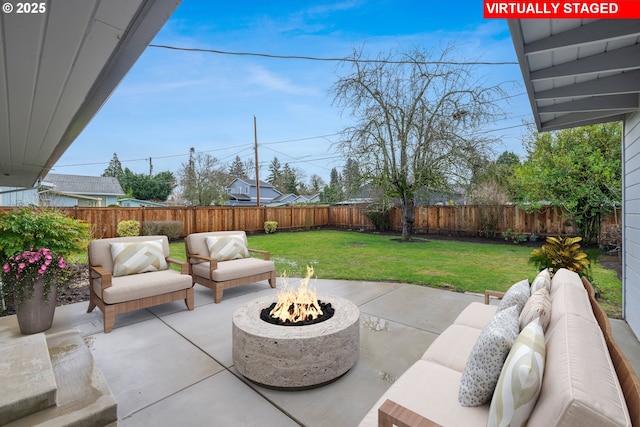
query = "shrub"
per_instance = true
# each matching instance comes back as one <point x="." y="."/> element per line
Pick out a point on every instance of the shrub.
<point x="270" y="226"/>
<point x="128" y="228"/>
<point x="561" y="252"/>
<point x="171" y="229"/>
<point x="378" y="214"/>
<point x="514" y="236"/>
<point x="34" y="227"/>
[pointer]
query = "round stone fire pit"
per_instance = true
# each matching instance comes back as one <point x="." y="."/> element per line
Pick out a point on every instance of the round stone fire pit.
<point x="295" y="357"/>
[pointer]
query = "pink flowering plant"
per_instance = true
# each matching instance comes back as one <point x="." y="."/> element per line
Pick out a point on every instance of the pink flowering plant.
<point x="22" y="270"/>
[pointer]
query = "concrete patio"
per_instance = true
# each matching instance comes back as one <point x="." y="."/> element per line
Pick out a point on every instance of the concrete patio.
<point x="169" y="366"/>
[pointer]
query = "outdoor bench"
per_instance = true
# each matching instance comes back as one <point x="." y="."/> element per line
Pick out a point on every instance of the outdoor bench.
<point x="587" y="380"/>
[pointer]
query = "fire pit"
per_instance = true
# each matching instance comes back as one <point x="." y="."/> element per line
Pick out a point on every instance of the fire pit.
<point x="295" y="357"/>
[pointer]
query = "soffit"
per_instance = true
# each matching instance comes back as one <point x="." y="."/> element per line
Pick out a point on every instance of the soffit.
<point x="58" y="68"/>
<point x="577" y="71"/>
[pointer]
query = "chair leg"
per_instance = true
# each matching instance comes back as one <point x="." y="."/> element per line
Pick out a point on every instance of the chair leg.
<point x="272" y="279"/>
<point x="92" y="305"/>
<point x="109" y="318"/>
<point x="217" y="294"/>
<point x="189" y="300"/>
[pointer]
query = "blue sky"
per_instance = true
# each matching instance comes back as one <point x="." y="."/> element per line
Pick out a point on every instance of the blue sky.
<point x="173" y="100"/>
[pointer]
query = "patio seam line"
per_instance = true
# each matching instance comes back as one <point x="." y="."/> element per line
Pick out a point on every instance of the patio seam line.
<point x="224" y="368"/>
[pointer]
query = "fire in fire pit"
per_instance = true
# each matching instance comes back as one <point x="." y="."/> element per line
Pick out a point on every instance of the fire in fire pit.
<point x="300" y="307"/>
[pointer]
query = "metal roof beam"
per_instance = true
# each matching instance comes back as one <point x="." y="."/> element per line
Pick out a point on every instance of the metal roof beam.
<point x="626" y="58"/>
<point x="598" y="31"/>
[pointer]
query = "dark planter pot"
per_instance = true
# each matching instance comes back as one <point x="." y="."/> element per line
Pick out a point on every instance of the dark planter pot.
<point x="34" y="314"/>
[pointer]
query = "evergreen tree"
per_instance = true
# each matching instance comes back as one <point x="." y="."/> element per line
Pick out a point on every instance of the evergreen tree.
<point x="274" y="171"/>
<point x="114" y="169"/>
<point x="237" y="169"/>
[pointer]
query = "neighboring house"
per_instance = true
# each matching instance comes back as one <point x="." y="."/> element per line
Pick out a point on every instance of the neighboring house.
<point x="243" y="192"/>
<point x="129" y="202"/>
<point x="79" y="190"/>
<point x="65" y="190"/>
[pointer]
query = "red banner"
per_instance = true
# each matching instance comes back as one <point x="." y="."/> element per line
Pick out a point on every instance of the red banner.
<point x="536" y="9"/>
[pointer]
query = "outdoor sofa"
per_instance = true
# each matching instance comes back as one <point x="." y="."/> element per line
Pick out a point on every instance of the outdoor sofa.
<point x="586" y="379"/>
<point x="131" y="273"/>
<point x="222" y="260"/>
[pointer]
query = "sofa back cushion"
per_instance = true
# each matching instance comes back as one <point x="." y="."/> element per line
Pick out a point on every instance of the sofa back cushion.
<point x="196" y="243"/>
<point x="580" y="386"/>
<point x="100" y="249"/>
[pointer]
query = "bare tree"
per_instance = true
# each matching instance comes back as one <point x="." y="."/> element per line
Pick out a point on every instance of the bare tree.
<point x="416" y="121"/>
<point x="203" y="180"/>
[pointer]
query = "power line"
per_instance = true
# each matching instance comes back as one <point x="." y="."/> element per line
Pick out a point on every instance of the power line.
<point x="330" y="59"/>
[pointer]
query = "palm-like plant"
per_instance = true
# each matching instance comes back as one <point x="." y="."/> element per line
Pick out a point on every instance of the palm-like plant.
<point x="560" y="252"/>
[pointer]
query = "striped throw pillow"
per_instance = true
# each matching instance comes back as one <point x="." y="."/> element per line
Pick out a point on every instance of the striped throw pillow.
<point x="542" y="280"/>
<point x="137" y="257"/>
<point x="520" y="381"/>
<point x="538" y="305"/>
<point x="226" y="247"/>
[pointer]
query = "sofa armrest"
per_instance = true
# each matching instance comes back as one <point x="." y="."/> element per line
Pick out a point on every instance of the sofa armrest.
<point x="184" y="266"/>
<point x="489" y="293"/>
<point x="392" y="414"/>
<point x="266" y="254"/>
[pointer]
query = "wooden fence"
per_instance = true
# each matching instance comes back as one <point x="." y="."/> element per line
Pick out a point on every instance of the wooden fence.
<point x="488" y="221"/>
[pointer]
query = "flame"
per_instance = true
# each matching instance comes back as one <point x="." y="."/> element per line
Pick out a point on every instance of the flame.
<point x="297" y="306"/>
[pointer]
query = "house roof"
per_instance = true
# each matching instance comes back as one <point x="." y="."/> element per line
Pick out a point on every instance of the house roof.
<point x="80" y="184"/>
<point x="577" y="71"/>
<point x="251" y="182"/>
<point x="58" y="68"/>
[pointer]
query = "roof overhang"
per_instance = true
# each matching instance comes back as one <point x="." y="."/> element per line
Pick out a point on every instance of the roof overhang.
<point x="578" y="72"/>
<point x="57" y="68"/>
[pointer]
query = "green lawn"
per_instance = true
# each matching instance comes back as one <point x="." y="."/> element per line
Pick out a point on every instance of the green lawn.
<point x="460" y="266"/>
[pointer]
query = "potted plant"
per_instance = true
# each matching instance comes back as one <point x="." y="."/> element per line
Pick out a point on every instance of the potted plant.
<point x="30" y="280"/>
<point x="33" y="244"/>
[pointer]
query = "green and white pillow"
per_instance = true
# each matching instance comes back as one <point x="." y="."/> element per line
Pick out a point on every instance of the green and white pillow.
<point x="483" y="367"/>
<point x="520" y="381"/>
<point x="542" y="280"/>
<point x="137" y="257"/>
<point x="229" y="246"/>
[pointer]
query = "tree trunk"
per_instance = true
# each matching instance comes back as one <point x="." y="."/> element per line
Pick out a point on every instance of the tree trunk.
<point x="408" y="217"/>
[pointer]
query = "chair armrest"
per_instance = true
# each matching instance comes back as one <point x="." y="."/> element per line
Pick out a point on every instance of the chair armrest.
<point x="392" y="414"/>
<point x="266" y="254"/>
<point x="213" y="263"/>
<point x="489" y="293"/>
<point x="105" y="276"/>
<point x="184" y="266"/>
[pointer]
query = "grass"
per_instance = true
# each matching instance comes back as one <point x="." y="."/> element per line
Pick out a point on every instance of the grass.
<point x="456" y="265"/>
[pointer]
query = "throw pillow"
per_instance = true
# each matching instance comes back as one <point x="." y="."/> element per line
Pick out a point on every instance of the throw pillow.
<point x="542" y="280"/>
<point x="517" y="295"/>
<point x="520" y="380"/>
<point x="483" y="367"/>
<point x="137" y="257"/>
<point x="230" y="246"/>
<point x="537" y="306"/>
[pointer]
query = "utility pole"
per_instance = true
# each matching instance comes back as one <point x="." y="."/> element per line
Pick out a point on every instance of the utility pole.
<point x="255" y="137"/>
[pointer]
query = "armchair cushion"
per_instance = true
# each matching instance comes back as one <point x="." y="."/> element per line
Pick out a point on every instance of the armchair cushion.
<point x="234" y="268"/>
<point x="227" y="247"/>
<point x="136" y="286"/>
<point x="137" y="257"/>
